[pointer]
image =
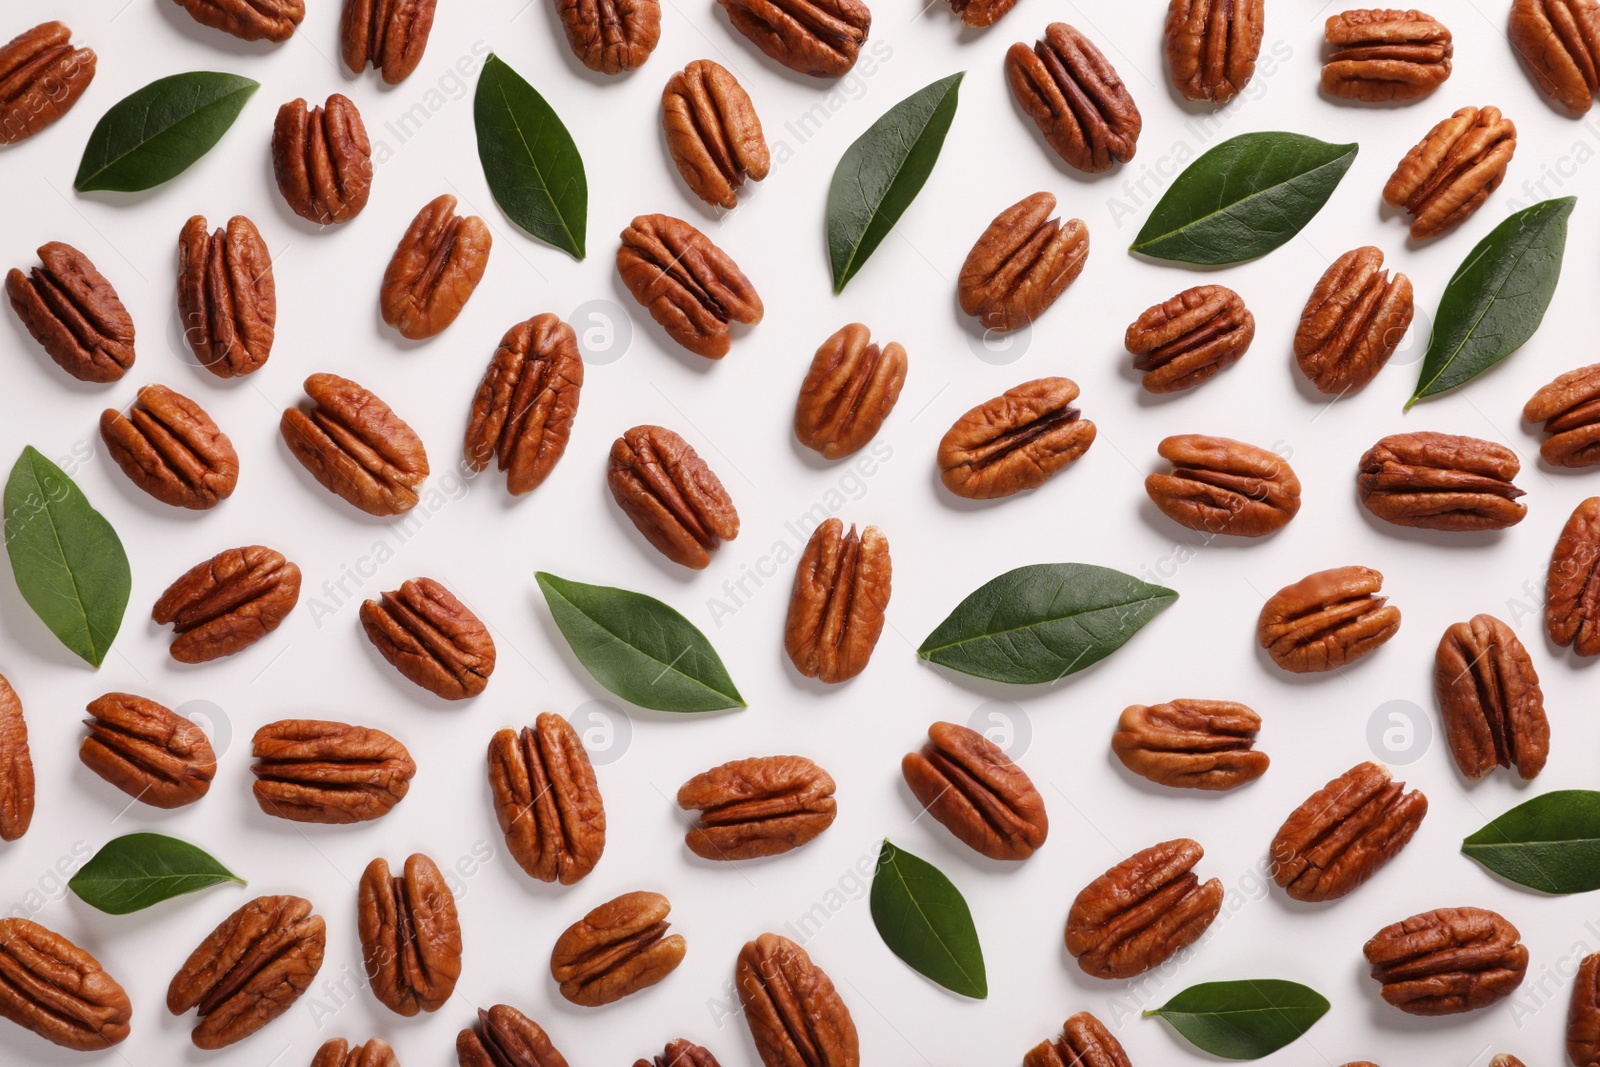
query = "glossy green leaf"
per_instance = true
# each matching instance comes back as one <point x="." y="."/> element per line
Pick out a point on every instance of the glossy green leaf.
<point x="1041" y="623"/>
<point x="639" y="648"/>
<point x="533" y="166"/>
<point x="1550" y="843"/>
<point x="882" y="173"/>
<point x="157" y="133"/>
<point x="68" y="561"/>
<point x="133" y="872"/>
<point x="924" y="920"/>
<point x="1244" y="198"/>
<point x="1243" y="1020"/>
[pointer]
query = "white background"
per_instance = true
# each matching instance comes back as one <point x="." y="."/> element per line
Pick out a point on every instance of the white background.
<point x="737" y="413"/>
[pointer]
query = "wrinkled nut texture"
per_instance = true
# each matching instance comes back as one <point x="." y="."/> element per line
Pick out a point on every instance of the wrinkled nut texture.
<point x="795" y="1015"/>
<point x="662" y="485"/>
<point x="16" y="767"/>
<point x="1569" y="407"/>
<point x="1440" y="481"/>
<point x="1084" y="1042"/>
<point x="248" y="20"/>
<point x="431" y="638"/>
<point x="1222" y="486"/>
<point x="981" y="13"/>
<point x="1572" y="586"/>
<point x="974" y="790"/>
<point x="151" y="753"/>
<point x="249" y="970"/>
<point x="547" y="800"/>
<point x="1191" y="744"/>
<point x="58" y="990"/>
<point x="1327" y="620"/>
<point x="1385" y="56"/>
<point x="391" y="35"/>
<point x="680" y="1053"/>
<point x="1212" y="46"/>
<point x="713" y="134"/>
<point x="226" y="296"/>
<point x="1353" y="321"/>
<point x="355" y="446"/>
<point x="1448" y="961"/>
<point x="616" y="950"/>
<point x="841" y="588"/>
<point x="410" y="935"/>
<point x="1452" y="170"/>
<point x="322" y="159"/>
<point x="435" y="269"/>
<point x="817" y="37"/>
<point x="1015" y="441"/>
<point x="1490" y="700"/>
<point x="1021" y="264"/>
<point x="307" y="770"/>
<point x="74" y="313"/>
<point x="1344" y="833"/>
<point x="848" y="392"/>
<point x="168" y="446"/>
<point x="1583" y="1014"/>
<point x="1559" y="40"/>
<point x="1142" y="911"/>
<point x="762" y="806"/>
<point x="611" y="36"/>
<point x="523" y="410"/>
<point x="41" y="77"/>
<point x="1075" y="97"/>
<point x="690" y="286"/>
<point x="504" y="1037"/>
<point x="228" y="603"/>
<point x="339" y="1053"/>
<point x="1188" y="339"/>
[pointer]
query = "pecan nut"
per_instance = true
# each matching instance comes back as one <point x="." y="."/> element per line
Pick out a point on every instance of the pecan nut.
<point x="822" y="38"/>
<point x="1559" y="40"/>
<point x="339" y="1053"/>
<point x="1490" y="699"/>
<point x="690" y="286"/>
<point x="389" y="34"/>
<point x="1015" y="441"/>
<point x="1327" y="620"/>
<point x="1212" y="46"/>
<point x="547" y="800"/>
<point x="1221" y="486"/>
<point x="981" y="13"/>
<point x="611" y="36"/>
<point x="1191" y="744"/>
<point x="616" y="950"/>
<point x="226" y="296"/>
<point x="504" y="1037"/>
<point x="1569" y="407"/>
<point x="431" y="638"/>
<point x="1075" y="97"/>
<point x="795" y="1015"/>
<point x="1344" y="833"/>
<point x="849" y="391"/>
<point x="1142" y="912"/>
<point x="762" y="806"/>
<point x="322" y="159"/>
<point x="1448" y="961"/>
<point x="1182" y="342"/>
<point x="681" y="1053"/>
<point x="16" y="767"/>
<point x="355" y="446"/>
<point x="168" y="446"/>
<point x="713" y="134"/>
<point x="523" y="410"/>
<point x="249" y="970"/>
<point x="248" y="20"/>
<point x="662" y="485"/>
<point x="58" y="990"/>
<point x="967" y="783"/>
<point x="1385" y="55"/>
<point x="74" y="313"/>
<point x="1572" y="586"/>
<point x="410" y="935"/>
<point x="328" y="772"/>
<point x="435" y="269"/>
<point x="841" y="588"/>
<point x="228" y="603"/>
<point x="1021" y="264"/>
<point x="151" y="753"/>
<point x="1452" y="170"/>
<point x="41" y="77"/>
<point x="1583" y="1014"/>
<point x="1439" y="481"/>
<point x="1353" y="321"/>
<point x="1084" y="1041"/>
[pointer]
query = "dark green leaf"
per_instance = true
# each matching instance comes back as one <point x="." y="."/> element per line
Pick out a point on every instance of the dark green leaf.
<point x="1497" y="298"/>
<point x="68" y="561"/>
<point x="133" y="872"/>
<point x="1550" y="843"/>
<point x="883" y="171"/>
<point x="154" y="135"/>
<point x="529" y="158"/>
<point x="1041" y="623"/>
<point x="924" y="920"/>
<point x="639" y="648"/>
<point x="1244" y="198"/>
<point x="1243" y="1020"/>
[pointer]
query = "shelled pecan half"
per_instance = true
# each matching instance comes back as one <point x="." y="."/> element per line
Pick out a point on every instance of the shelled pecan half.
<point x="431" y="638"/>
<point x="151" y="753"/>
<point x="322" y="159"/>
<point x="1191" y="744"/>
<point x="168" y="446"/>
<point x="1583" y="1014"/>
<point x="616" y="950"/>
<point x="1327" y="620"/>
<point x="1084" y="1042"/>
<point x="1075" y="97"/>
<point x="841" y="588"/>
<point x="821" y="38"/>
<point x="1489" y="697"/>
<point x="410" y="935"/>
<point x="1021" y="264"/>
<point x="339" y="1053"/>
<point x="1182" y="342"/>
<point x="757" y="807"/>
<point x="1015" y="441"/>
<point x="848" y="392"/>
<point x="504" y="1037"/>
<point x="355" y="446"/>
<point x="1385" y="55"/>
<point x="974" y="790"/>
<point x="1353" y="321"/>
<point x="611" y="36"/>
<point x="680" y="1053"/>
<point x="227" y="299"/>
<point x="1212" y="46"/>
<point x="435" y="269"/>
<point x="16" y="766"/>
<point x="1344" y="833"/>
<point x="795" y="1015"/>
<point x="1452" y="170"/>
<point x="690" y="286"/>
<point x="1448" y="961"/>
<point x="58" y="990"/>
<point x="1572" y="586"/>
<point x="307" y="770"/>
<point x="1440" y="481"/>
<point x="1559" y="40"/>
<point x="1142" y="912"/>
<point x="227" y="603"/>
<point x="981" y="13"/>
<point x="547" y="800"/>
<point x="74" y="313"/>
<point x="389" y="34"/>
<point x="713" y="134"/>
<point x="1222" y="486"/>
<point x="667" y="491"/>
<point x="248" y="20"/>
<point x="1569" y="407"/>
<point x="523" y="410"/>
<point x="41" y="77"/>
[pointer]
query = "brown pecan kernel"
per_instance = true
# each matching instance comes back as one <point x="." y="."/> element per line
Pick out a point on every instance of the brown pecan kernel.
<point x="1569" y="407"/>
<point x="1583" y="1014"/>
<point x="1572" y="587"/>
<point x="795" y="1015"/>
<point x="249" y="970"/>
<point x="1452" y="170"/>
<point x="680" y="1053"/>
<point x="228" y="603"/>
<point x="1326" y="620"/>
<point x="616" y="950"/>
<point x="1447" y="961"/>
<point x="841" y="588"/>
<point x="328" y="772"/>
<point x="74" y="313"/>
<point x="1191" y="744"/>
<point x="1212" y="46"/>
<point x="611" y="36"/>
<point x="338" y="1053"/>
<point x="41" y="77"/>
<point x="435" y="269"/>
<point x="58" y="990"/>
<point x="1084" y="1042"/>
<point x="322" y="159"/>
<point x="16" y="767"/>
<point x="410" y="936"/>
<point x="1354" y="320"/>
<point x="972" y="788"/>
<point x="389" y="34"/>
<point x="168" y="446"/>
<point x="1344" y="833"/>
<point x="1021" y="264"/>
<point x="504" y="1037"/>
<point x="1142" y="911"/>
<point x="1075" y="97"/>
<point x="689" y="285"/>
<point x="849" y="391"/>
<point x="817" y="37"/>
<point x="547" y="800"/>
<point x="1385" y="55"/>
<point x="713" y="133"/>
<point x="755" y="807"/>
<point x="1439" y="481"/>
<point x="431" y="638"/>
<point x="1188" y="339"/>
<point x="226" y="296"/>
<point x="669" y="493"/>
<point x="981" y="13"/>
<point x="1490" y="699"/>
<point x="149" y="752"/>
<point x="1559" y="40"/>
<point x="355" y="446"/>
<point x="1220" y="486"/>
<point x="1015" y="441"/>
<point x="1505" y="1059"/>
<point x="248" y="20"/>
<point x="523" y="410"/>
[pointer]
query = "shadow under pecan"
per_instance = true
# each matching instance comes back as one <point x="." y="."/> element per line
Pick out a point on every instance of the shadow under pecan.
<point x="1191" y="744"/>
<point x="1559" y="40"/>
<point x="168" y="446"/>
<point x="1221" y="486"/>
<point x="435" y="269"/>
<point x="849" y="390"/>
<point x="431" y="638"/>
<point x="16" y="767"/>
<point x="504" y="1037"/>
<point x="227" y="603"/>
<point x="1583" y="1014"/>
<point x="1021" y="264"/>
<point x="249" y="970"/>
<point x="971" y="787"/>
<point x="410" y="935"/>
<point x="1385" y="55"/>
<point x="1439" y="481"/>
<point x="41" y="77"/>
<point x="547" y="800"/>
<point x="713" y="134"/>
<point x="671" y="496"/>
<point x="616" y="950"/>
<point x="1452" y="170"/>
<point x="1075" y="97"/>
<point x="226" y="296"/>
<point x="1569" y="407"/>
<point x="322" y="159"/>
<point x="1327" y="620"/>
<point x="1015" y="441"/>
<point x="1572" y="586"/>
<point x="611" y="36"/>
<point x="1353" y="321"/>
<point x="1212" y="46"/>
<point x="841" y="588"/>
<point x="339" y="1053"/>
<point x="981" y="13"/>
<point x="1344" y="833"/>
<point x="151" y="753"/>
<point x="763" y="806"/>
<point x="1447" y="961"/>
<point x="817" y="37"/>
<point x="389" y="34"/>
<point x="355" y="446"/>
<point x="248" y="20"/>
<point x="1142" y="912"/>
<point x="58" y="990"/>
<point x="311" y="771"/>
<point x="1490" y="700"/>
<point x="74" y="313"/>
<point x="680" y="1053"/>
<point x="794" y="1013"/>
<point x="1084" y="1042"/>
<point x="523" y="410"/>
<point x="1187" y="340"/>
<point x="690" y="286"/>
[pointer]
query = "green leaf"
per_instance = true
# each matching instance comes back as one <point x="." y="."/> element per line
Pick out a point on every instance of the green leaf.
<point x="883" y="171"/>
<point x="1041" y="623"/>
<point x="1244" y="198"/>
<point x="639" y="648"/>
<point x="68" y="561"/>
<point x="1550" y="843"/>
<point x="924" y="920"/>
<point x="157" y="133"/>
<point x="1243" y="1020"/>
<point x="533" y="166"/>
<point x="1497" y="297"/>
<point x="137" y="870"/>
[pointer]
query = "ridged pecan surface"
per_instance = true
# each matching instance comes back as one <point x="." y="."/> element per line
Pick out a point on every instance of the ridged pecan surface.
<point x="1440" y="481"/>
<point x="410" y="935"/>
<point x="1191" y="744"/>
<point x="168" y="446"/>
<point x="504" y="1037"/>
<point x="151" y="753"/>
<point x="308" y="770"/>
<point x="74" y="313"/>
<point x="1490" y="700"/>
<point x="1559" y="40"/>
<point x="667" y="491"/>
<point x="523" y="410"/>
<point x="1182" y="342"/>
<point x="1142" y="912"/>
<point x="616" y="950"/>
<point x="1015" y="441"/>
<point x="58" y="990"/>
<point x="435" y="269"/>
<point x="1344" y="833"/>
<point x="611" y="36"/>
<point x="1075" y="97"/>
<point x="1327" y="620"/>
<point x="340" y="1053"/>
<point x="547" y="800"/>
<point x="322" y="159"/>
<point x="968" y="783"/>
<point x="795" y="1015"/>
<point x="757" y="807"/>
<point x="248" y="20"/>
<point x="680" y="1053"/>
<point x="41" y="77"/>
<point x="1448" y="961"/>
<point x="1353" y="321"/>
<point x="848" y="392"/>
<point x="1572" y="585"/>
<point x="689" y="285"/>
<point x="1385" y="55"/>
<point x="227" y="298"/>
<point x="1021" y="264"/>
<point x="228" y="603"/>
<point x="1583" y="1014"/>
<point x="355" y="446"/>
<point x="431" y="638"/>
<point x="841" y="588"/>
<point x="817" y="37"/>
<point x="389" y="34"/>
<point x="713" y="134"/>
<point x="1222" y="486"/>
<point x="1084" y="1042"/>
<point x="981" y="13"/>
<point x="1212" y="46"/>
<point x="1569" y="407"/>
<point x="1452" y="170"/>
<point x="16" y="766"/>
